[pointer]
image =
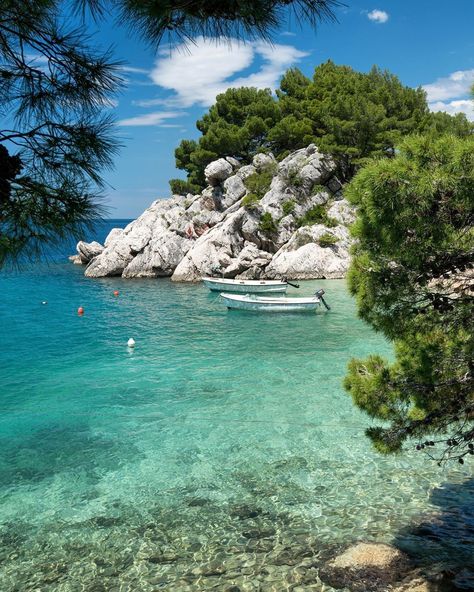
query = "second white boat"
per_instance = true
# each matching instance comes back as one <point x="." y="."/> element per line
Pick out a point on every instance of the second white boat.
<point x="267" y="304"/>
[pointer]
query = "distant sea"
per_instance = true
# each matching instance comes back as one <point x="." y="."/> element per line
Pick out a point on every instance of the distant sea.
<point x="220" y="453"/>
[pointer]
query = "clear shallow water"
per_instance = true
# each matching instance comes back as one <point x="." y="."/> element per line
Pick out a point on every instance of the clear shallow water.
<point x="221" y="451"/>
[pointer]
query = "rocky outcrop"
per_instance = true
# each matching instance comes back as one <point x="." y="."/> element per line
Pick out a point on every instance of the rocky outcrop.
<point x="295" y="228"/>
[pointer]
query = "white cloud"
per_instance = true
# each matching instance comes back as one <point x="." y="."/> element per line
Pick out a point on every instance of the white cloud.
<point x="453" y="86"/>
<point x="197" y="73"/>
<point x="155" y="118"/>
<point x="451" y="93"/>
<point x="378" y="16"/>
<point x="452" y="107"/>
<point x="134" y="70"/>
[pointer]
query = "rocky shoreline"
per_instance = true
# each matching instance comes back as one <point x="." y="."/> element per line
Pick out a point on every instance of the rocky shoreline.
<point x="263" y="220"/>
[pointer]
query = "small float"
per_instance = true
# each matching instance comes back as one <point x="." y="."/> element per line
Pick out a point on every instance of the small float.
<point x="279" y="304"/>
<point x="246" y="286"/>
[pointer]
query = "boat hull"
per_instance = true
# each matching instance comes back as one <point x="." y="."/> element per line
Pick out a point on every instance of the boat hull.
<point x="246" y="286"/>
<point x="260" y="304"/>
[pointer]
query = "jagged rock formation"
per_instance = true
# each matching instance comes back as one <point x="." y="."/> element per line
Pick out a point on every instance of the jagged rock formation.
<point x="296" y="229"/>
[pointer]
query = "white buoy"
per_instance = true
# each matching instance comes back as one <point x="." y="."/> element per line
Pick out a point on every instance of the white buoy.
<point x="44" y="302"/>
<point x="131" y="342"/>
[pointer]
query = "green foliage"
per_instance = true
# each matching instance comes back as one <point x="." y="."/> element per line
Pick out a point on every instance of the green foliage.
<point x="54" y="137"/>
<point x="411" y="273"/>
<point x="317" y="215"/>
<point x="259" y="183"/>
<point x="185" y="20"/>
<point x="317" y="189"/>
<point x="250" y="201"/>
<point x="351" y="115"/>
<point x="293" y="178"/>
<point x="439" y="123"/>
<point x="267" y="224"/>
<point x="288" y="207"/>
<point x="181" y="187"/>
<point x="236" y="125"/>
<point x="327" y="240"/>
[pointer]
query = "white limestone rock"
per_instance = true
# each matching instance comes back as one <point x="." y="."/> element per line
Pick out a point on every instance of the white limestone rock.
<point x="263" y="162"/>
<point x="125" y="246"/>
<point x="217" y="171"/>
<point x="306" y="167"/>
<point x="342" y="211"/>
<point x="112" y="236"/>
<point x="234" y="189"/>
<point x="234" y="162"/>
<point x="87" y="251"/>
<point x="160" y="257"/>
<point x="249" y="257"/>
<point x="213" y="251"/>
<point x="246" y="171"/>
<point x="302" y="257"/>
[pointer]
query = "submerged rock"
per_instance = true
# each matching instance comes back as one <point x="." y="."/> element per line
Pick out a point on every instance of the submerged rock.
<point x="366" y="567"/>
<point x="218" y="233"/>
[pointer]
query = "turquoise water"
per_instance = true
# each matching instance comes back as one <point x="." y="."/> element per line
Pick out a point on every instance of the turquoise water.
<point x="221" y="451"/>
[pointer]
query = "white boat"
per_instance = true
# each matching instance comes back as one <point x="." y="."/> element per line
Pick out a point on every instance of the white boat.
<point x="268" y="304"/>
<point x="245" y="286"/>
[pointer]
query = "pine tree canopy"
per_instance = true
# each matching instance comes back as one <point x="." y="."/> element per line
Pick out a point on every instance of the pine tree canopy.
<point x="351" y="115"/>
<point x="55" y="138"/>
<point x="184" y="20"/>
<point x="413" y="275"/>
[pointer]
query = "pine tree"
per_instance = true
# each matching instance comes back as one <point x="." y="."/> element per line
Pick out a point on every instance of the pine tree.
<point x="413" y="275"/>
<point x="55" y="138"/>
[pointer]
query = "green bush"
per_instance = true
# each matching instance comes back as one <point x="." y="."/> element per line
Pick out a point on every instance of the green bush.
<point x="317" y="215"/>
<point x="317" y="189"/>
<point x="180" y="187"/>
<point x="259" y="183"/>
<point x="327" y="239"/>
<point x="293" y="177"/>
<point x="250" y="201"/>
<point x="267" y="224"/>
<point x="288" y="207"/>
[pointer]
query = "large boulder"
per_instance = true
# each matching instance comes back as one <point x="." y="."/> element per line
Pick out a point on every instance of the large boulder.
<point x="113" y="236"/>
<point x="87" y="251"/>
<point x="218" y="171"/>
<point x="213" y="251"/>
<point x="120" y="251"/>
<point x="306" y="168"/>
<point x="264" y="162"/>
<point x="234" y="189"/>
<point x="160" y="257"/>
<point x="366" y="567"/>
<point x="307" y="256"/>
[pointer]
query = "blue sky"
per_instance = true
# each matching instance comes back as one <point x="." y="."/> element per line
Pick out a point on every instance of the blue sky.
<point x="423" y="42"/>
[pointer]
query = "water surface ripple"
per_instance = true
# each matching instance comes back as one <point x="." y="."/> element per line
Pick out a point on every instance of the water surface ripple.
<point x="221" y="452"/>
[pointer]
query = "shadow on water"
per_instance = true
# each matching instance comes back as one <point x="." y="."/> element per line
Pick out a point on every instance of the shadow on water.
<point x="442" y="543"/>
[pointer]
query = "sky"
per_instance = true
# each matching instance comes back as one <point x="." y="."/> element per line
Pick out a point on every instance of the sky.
<point x="427" y="43"/>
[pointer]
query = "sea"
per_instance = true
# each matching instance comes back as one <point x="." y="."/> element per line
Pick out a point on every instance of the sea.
<point x="221" y="452"/>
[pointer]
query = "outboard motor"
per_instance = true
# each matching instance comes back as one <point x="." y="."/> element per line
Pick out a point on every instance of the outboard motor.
<point x="319" y="294"/>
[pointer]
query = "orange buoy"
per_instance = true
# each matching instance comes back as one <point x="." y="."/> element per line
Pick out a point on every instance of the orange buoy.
<point x="80" y="311"/>
<point x="116" y="292"/>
